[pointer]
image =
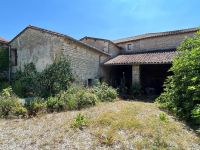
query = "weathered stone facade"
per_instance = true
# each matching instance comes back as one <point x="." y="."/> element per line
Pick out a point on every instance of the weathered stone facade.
<point x="42" y="48"/>
<point x="89" y="54"/>
<point x="154" y="43"/>
<point x="103" y="44"/>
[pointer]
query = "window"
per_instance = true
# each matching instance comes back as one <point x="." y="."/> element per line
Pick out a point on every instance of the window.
<point x="13" y="57"/>
<point x="89" y="82"/>
<point x="129" y="47"/>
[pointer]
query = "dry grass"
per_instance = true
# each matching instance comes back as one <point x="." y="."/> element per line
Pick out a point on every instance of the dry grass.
<point x="118" y="125"/>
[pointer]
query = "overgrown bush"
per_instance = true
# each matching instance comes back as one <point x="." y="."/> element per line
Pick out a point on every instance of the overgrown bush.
<point x="55" y="104"/>
<point x="35" y="107"/>
<point x="56" y="77"/>
<point x="26" y="82"/>
<point x="50" y="81"/>
<point x="74" y="98"/>
<point x="10" y="104"/>
<point x="196" y="114"/>
<point x="86" y="99"/>
<point x="105" y="92"/>
<point x="182" y="90"/>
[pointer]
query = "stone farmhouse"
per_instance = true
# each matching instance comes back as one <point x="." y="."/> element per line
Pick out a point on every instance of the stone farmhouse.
<point x="143" y="59"/>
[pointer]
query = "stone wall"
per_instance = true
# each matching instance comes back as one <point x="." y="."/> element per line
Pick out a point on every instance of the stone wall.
<point x="135" y="74"/>
<point x="104" y="45"/>
<point x="43" y="48"/>
<point x="155" y="43"/>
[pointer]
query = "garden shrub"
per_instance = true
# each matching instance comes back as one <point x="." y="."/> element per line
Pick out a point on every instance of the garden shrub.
<point x="53" y="79"/>
<point x="35" y="106"/>
<point x="56" y="77"/>
<point x="86" y="99"/>
<point x="182" y="90"/>
<point x="196" y="114"/>
<point x="72" y="103"/>
<point x="10" y="104"/>
<point x="4" y="85"/>
<point x="105" y="92"/>
<point x="26" y="82"/>
<point x="76" y="97"/>
<point x="55" y="104"/>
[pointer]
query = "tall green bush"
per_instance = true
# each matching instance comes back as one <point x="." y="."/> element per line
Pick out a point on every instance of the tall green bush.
<point x="26" y="82"/>
<point x="53" y="79"/>
<point x="182" y="90"/>
<point x="56" y="77"/>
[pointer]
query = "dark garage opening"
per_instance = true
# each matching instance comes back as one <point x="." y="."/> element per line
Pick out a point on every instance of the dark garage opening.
<point x="119" y="73"/>
<point x="152" y="77"/>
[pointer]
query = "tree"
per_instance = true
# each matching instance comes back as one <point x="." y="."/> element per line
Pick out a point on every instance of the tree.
<point x="182" y="90"/>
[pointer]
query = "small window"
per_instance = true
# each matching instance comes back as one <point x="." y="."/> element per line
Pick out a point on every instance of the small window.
<point x="13" y="57"/>
<point x="129" y="47"/>
<point x="89" y="82"/>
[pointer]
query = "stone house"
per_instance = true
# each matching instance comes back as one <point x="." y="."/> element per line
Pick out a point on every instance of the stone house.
<point x="42" y="47"/>
<point x="143" y="59"/>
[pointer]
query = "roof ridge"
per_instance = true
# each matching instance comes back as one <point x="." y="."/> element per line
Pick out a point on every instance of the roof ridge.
<point x="58" y="34"/>
<point x="98" y="39"/>
<point x="155" y="34"/>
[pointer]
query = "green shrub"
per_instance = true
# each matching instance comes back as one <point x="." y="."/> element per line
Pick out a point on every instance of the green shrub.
<point x="10" y="104"/>
<point x="56" y="77"/>
<point x="36" y="106"/>
<point x="79" y="122"/>
<point x="4" y="85"/>
<point x="86" y="99"/>
<point x="72" y="103"/>
<point x="181" y="95"/>
<point x="53" y="79"/>
<point x="55" y="104"/>
<point x="163" y="117"/>
<point x="196" y="114"/>
<point x="105" y="92"/>
<point x="18" y="88"/>
<point x="74" y="98"/>
<point x="26" y="82"/>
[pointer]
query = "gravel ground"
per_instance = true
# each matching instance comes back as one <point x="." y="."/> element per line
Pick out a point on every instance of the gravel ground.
<point x="52" y="131"/>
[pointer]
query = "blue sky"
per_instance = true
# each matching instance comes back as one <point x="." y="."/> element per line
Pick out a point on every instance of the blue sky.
<point x="111" y="19"/>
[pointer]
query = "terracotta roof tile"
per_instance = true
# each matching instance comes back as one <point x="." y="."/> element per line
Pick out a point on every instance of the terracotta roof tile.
<point x="2" y="40"/>
<point x="143" y="58"/>
<point x="158" y="34"/>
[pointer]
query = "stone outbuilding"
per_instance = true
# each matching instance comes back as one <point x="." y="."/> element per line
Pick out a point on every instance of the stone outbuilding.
<point x="143" y="59"/>
<point x="43" y="47"/>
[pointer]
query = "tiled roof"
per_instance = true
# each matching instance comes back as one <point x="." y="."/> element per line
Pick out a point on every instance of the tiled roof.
<point x="158" y="34"/>
<point x="143" y="58"/>
<point x="60" y="35"/>
<point x="94" y="38"/>
<point x="2" y="40"/>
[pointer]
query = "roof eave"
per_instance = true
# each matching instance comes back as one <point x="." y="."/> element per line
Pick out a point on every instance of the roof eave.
<point x="58" y="34"/>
